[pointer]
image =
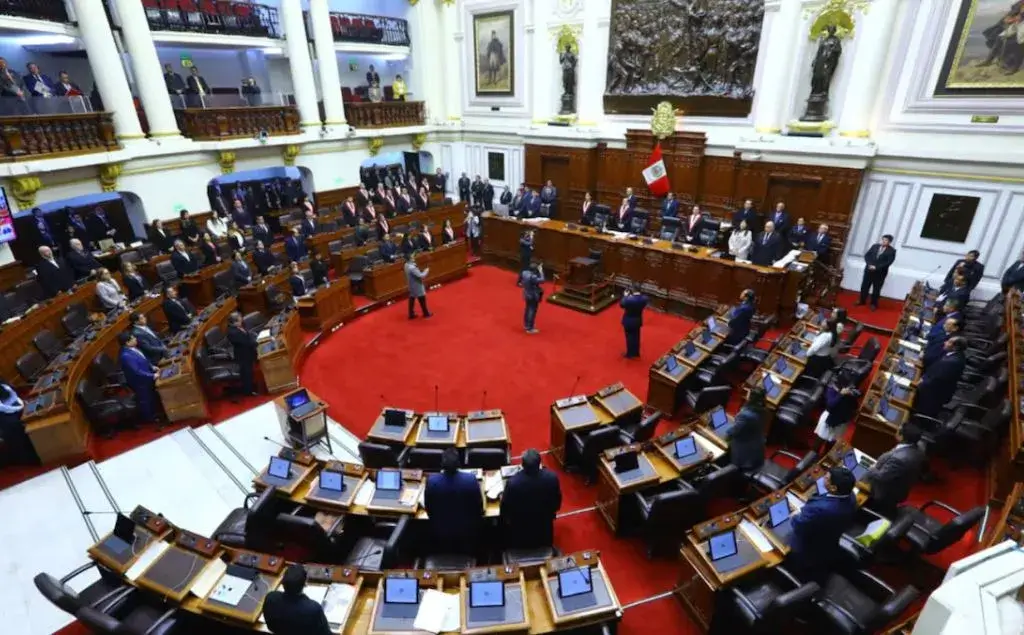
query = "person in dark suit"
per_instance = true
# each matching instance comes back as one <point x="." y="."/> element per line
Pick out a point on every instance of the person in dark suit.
<point x="896" y="471"/>
<point x="780" y="218"/>
<point x="387" y="249"/>
<point x="139" y="374"/>
<point x="440" y="181"/>
<point x="53" y="275"/>
<point x="746" y="436"/>
<point x="178" y="311"/>
<point x="184" y="262"/>
<point x="970" y="267"/>
<point x="44" y="233"/>
<point x="819" y="243"/>
<point x="372" y="78"/>
<point x="958" y="290"/>
<point x="447" y="232"/>
<point x="586" y="209"/>
<point x="938" y="382"/>
<point x="767" y="246"/>
<point x="1013" y="277"/>
<point x="693" y="224"/>
<point x="83" y="264"/>
<point x="189" y="228"/>
<point x="78" y="231"/>
<point x="422" y="199"/>
<point x="797" y="235"/>
<point x="455" y="507"/>
<point x="404" y="204"/>
<point x="670" y="206"/>
<point x="297" y="282"/>
<point x="318" y="267"/>
<point x="623" y="217"/>
<point x="525" y="250"/>
<point x="349" y="211"/>
<point x="630" y="199"/>
<point x="749" y="214"/>
<point x="147" y="341"/>
<point x="241" y="272"/>
<point x="68" y="88"/>
<point x="464" y="188"/>
<point x="877" y="261"/>
<point x="99" y="226"/>
<point x="264" y="259"/>
<point x="407" y="245"/>
<point x="291" y="612"/>
<point x="740" y="317"/>
<point x="935" y="346"/>
<point x="175" y="84"/>
<point x="382" y="227"/>
<point x="12" y="429"/>
<point x="424" y="239"/>
<point x="262" y="232"/>
<point x="160" y="238"/>
<point x="309" y="227"/>
<point x="134" y="283"/>
<point x="633" y="303"/>
<point x="531" y="281"/>
<point x="243" y="345"/>
<point x="819" y="525"/>
<point x="548" y="193"/>
<point x="196" y="83"/>
<point x="529" y="504"/>
<point x="209" y="249"/>
<point x="487" y="195"/>
<point x="295" y="246"/>
<point x="240" y="215"/>
<point x="531" y="204"/>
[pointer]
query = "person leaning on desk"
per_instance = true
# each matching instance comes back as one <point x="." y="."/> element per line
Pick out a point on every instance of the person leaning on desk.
<point x="290" y="612"/>
<point x="818" y="526"/>
<point x="935" y="348"/>
<point x="455" y="507"/>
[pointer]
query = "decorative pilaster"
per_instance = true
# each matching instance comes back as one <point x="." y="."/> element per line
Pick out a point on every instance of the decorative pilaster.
<point x="298" y="62"/>
<point x="108" y="175"/>
<point x="326" y="62"/>
<point x="773" y="88"/>
<point x="289" y="153"/>
<point x="226" y="159"/>
<point x="873" y="41"/>
<point x="24" y="189"/>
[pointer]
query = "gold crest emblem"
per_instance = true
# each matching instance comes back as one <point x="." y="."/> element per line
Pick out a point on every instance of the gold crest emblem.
<point x="663" y="123"/>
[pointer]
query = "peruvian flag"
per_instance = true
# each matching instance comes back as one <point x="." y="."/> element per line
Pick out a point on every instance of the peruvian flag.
<point x="655" y="174"/>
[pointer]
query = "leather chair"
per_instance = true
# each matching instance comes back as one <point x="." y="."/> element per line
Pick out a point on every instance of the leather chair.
<point x="719" y="482"/>
<point x="254" y="321"/>
<point x="428" y="459"/>
<point x="12" y="304"/>
<point x="224" y="283"/>
<point x="166" y="273"/>
<point x="48" y="344"/>
<point x="665" y="513"/>
<point x="217" y="372"/>
<point x="108" y="594"/>
<point x="300" y="526"/>
<point x="773" y="475"/>
<point x="148" y="250"/>
<point x="278" y="300"/>
<point x="850" y="336"/>
<point x="217" y="344"/>
<point x="638" y="224"/>
<point x="930" y="535"/>
<point x="601" y="214"/>
<point x="74" y="322"/>
<point x="714" y="371"/>
<point x="30" y="291"/>
<point x="529" y="556"/>
<point x="669" y="229"/>
<point x="700" y="401"/>
<point x="642" y="431"/>
<point x="767" y="602"/>
<point x="861" y="365"/>
<point x="487" y="458"/>
<point x="445" y="562"/>
<point x="587" y="446"/>
<point x="355" y="271"/>
<point x="251" y="525"/>
<point x="335" y="246"/>
<point x="380" y="547"/>
<point x="105" y="367"/>
<point x="978" y="440"/>
<point x="858" y="603"/>
<point x="378" y="455"/>
<point x="30" y="366"/>
<point x="861" y="556"/>
<point x="104" y="412"/>
<point x="994" y="306"/>
<point x="144" y="619"/>
<point x="132" y="256"/>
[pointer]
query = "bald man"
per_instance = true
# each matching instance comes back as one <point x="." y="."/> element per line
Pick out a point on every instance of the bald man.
<point x="53" y="275"/>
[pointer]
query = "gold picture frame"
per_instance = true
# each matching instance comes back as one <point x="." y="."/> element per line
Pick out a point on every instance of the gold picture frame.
<point x="494" y="53"/>
<point x="986" y="53"/>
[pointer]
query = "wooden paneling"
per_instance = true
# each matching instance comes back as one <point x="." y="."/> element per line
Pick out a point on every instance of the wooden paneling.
<point x="11" y="274"/>
<point x="571" y="170"/>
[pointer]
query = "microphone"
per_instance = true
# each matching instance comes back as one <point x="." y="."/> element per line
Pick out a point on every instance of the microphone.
<point x="277" y="443"/>
<point x="368" y="554"/>
<point x="932" y="272"/>
<point x="436" y="409"/>
<point x="576" y="383"/>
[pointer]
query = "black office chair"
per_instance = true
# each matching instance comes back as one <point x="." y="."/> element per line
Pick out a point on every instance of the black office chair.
<point x="638" y="224"/>
<point x="48" y="344"/>
<point x="217" y="344"/>
<point x="381" y="546"/>
<point x="861" y="365"/>
<point x="144" y="619"/>
<point x="251" y="525"/>
<point x="30" y="366"/>
<point x="75" y="322"/>
<point x="254" y="322"/>
<point x="715" y="370"/>
<point x="106" y="413"/>
<point x="217" y="372"/>
<point x="642" y="431"/>
<point x="378" y="455"/>
<point x="851" y="335"/>
<point x="766" y="602"/>
<point x="529" y="556"/>
<point x="700" y="401"/>
<point x="859" y="603"/>
<point x="718" y="483"/>
<point x="669" y="229"/>
<point x="929" y="535"/>
<point x="665" y="515"/>
<point x="335" y="246"/>
<point x="277" y="300"/>
<point x="861" y="556"/>
<point x="487" y="458"/>
<point x="977" y="440"/>
<point x="586" y="447"/>
<point x="166" y="272"/>
<point x="224" y="283"/>
<point x="104" y="366"/>
<point x="30" y="291"/>
<point x="774" y="475"/>
<point x="428" y="459"/>
<point x="355" y="271"/>
<point x="601" y="214"/>
<point x="107" y="594"/>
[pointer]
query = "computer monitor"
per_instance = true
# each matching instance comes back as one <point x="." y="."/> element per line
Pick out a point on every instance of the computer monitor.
<point x="795" y="347"/>
<point x="486" y="594"/>
<point x="297" y="399"/>
<point x="332" y="481"/>
<point x="712" y="324"/>
<point x="722" y="545"/>
<point x="778" y="513"/>
<point x="124" y="528"/>
<point x="437" y="423"/>
<point x="573" y="582"/>
<point x="890" y="385"/>
<point x="768" y="384"/>
<point x="689" y="349"/>
<point x="626" y="461"/>
<point x="719" y="418"/>
<point x="780" y="365"/>
<point x="705" y="336"/>
<point x="280" y="468"/>
<point x="401" y="591"/>
<point x="850" y="461"/>
<point x="821" y="485"/>
<point x="389" y="480"/>
<point x="671" y="364"/>
<point x="394" y="417"/>
<point x="685" y="447"/>
<point x="883" y="407"/>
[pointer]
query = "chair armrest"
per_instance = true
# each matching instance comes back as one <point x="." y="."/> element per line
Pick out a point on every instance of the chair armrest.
<point x="899" y="528"/>
<point x="975" y="408"/>
<point x="941" y="505"/>
<point x="394" y="540"/>
<point x="784" y="574"/>
<point x="869" y="579"/>
<point x="295" y="522"/>
<point x="930" y="423"/>
<point x="800" y="595"/>
<point x="159" y="622"/>
<point x="788" y="455"/>
<point x="897" y="604"/>
<point x="77" y="572"/>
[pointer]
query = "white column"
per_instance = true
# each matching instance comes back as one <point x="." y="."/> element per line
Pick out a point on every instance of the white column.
<point x="591" y="69"/>
<point x="451" y="45"/>
<point x="874" y="35"/>
<point x="107" y="71"/>
<point x="149" y="76"/>
<point x="326" y="62"/>
<point x="773" y="87"/>
<point x="427" y="58"/>
<point x="542" y="60"/>
<point x="300" y="64"/>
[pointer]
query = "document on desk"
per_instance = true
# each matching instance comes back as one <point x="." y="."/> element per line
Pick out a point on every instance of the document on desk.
<point x="365" y="493"/>
<point x="316" y="592"/>
<point x="438" y="612"/>
<point x="336" y="604"/>
<point x="230" y="590"/>
<point x="794" y="502"/>
<point x="204" y="582"/>
<point x="912" y="346"/>
<point x="264" y="335"/>
<point x="494" y="485"/>
<point x="899" y="381"/>
<point x="755" y="536"/>
<point x="148" y="557"/>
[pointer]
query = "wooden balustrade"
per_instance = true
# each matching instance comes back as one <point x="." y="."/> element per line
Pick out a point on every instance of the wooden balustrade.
<point x="209" y="124"/>
<point x="46" y="136"/>
<point x="385" y="114"/>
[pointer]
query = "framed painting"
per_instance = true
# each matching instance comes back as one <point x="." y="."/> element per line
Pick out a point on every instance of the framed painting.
<point x="494" y="53"/>
<point x="986" y="53"/>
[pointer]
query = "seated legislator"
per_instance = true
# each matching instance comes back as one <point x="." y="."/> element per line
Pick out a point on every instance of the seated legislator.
<point x="264" y="259"/>
<point x="184" y="262"/>
<point x="83" y="264"/>
<point x="178" y="311"/>
<point x="189" y="228"/>
<point x="938" y="382"/>
<point x="108" y="291"/>
<point x="424" y="239"/>
<point x="740" y="317"/>
<point x="53" y="275"/>
<point x="240" y="270"/>
<point x="693" y="224"/>
<point x="455" y="506"/>
<point x="297" y="282"/>
<point x="531" y="499"/>
<point x="211" y="253"/>
<point x="896" y="471"/>
<point x="622" y="218"/>
<point x="749" y="214"/>
<point x="767" y="246"/>
<point x="134" y="283"/>
<point x="243" y="347"/>
<point x="319" y="268"/>
<point x="741" y="241"/>
<point x="160" y="237"/>
<point x="148" y="342"/>
<point x="670" y="206"/>
<point x="295" y="246"/>
<point x="139" y="374"/>
<point x="309" y="226"/>
<point x="236" y="239"/>
<point x="291" y="612"/>
<point x="819" y="243"/>
<point x="388" y="251"/>
<point x="447" y="232"/>
<point x="970" y="267"/>
<point x="818" y="526"/>
<point x="262" y="232"/>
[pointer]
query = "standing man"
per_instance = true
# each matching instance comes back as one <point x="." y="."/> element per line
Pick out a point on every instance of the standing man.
<point x="83" y="264"/>
<point x="12" y="429"/>
<point x="740" y="317"/>
<point x="290" y="612"/>
<point x="971" y="269"/>
<point x="819" y="243"/>
<point x="876" y="266"/>
<point x="477" y="191"/>
<point x="417" y="289"/>
<point x="487" y="192"/>
<point x="525" y="251"/>
<point x="243" y="344"/>
<point x="766" y="246"/>
<point x="99" y="226"/>
<point x="178" y="311"/>
<point x="633" y="303"/>
<point x="139" y="374"/>
<point x="145" y="339"/>
<point x="455" y="506"/>
<point x="548" y="194"/>
<point x="896" y="471"/>
<point x="175" y="84"/>
<point x="819" y="525"/>
<point x="529" y="504"/>
<point x="440" y="182"/>
<point x="938" y="382"/>
<point x="53" y="275"/>
<point x="749" y="214"/>
<point x="44" y="234"/>
<point x="670" y="207"/>
<point x="780" y="218"/>
<point x="1013" y="277"/>
<point x="531" y="279"/>
<point x="464" y="188"/>
<point x="473" y="231"/>
<point x="295" y="245"/>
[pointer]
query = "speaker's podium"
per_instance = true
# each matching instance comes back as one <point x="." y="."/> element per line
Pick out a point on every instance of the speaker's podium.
<point x="303" y="419"/>
<point x="584" y="289"/>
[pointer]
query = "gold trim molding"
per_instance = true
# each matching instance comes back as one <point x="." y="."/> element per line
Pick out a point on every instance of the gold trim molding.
<point x="856" y="134"/>
<point x="25" y="189"/>
<point x="176" y="133"/>
<point x="289" y="153"/>
<point x="226" y="160"/>
<point x="767" y="130"/>
<point x="950" y="175"/>
<point x="108" y="174"/>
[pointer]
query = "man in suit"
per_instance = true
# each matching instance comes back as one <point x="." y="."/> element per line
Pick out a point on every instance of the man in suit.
<point x="516" y="205"/>
<point x="309" y="225"/>
<point x="44" y="234"/>
<point x="372" y="78"/>
<point x="476" y="191"/>
<point x="147" y="341"/>
<point x="10" y="86"/>
<point x="670" y="206"/>
<point x="819" y="243"/>
<point x="819" y="525"/>
<point x="633" y="303"/>
<point x="241" y="272"/>
<point x="487" y="195"/>
<point x="297" y="281"/>
<point x="53" y="275"/>
<point x="877" y="261"/>
<point x="77" y="229"/>
<point x="531" y="499"/>
<point x="99" y="226"/>
<point x="263" y="258"/>
<point x="464" y="188"/>
<point x="958" y="290"/>
<point x="417" y="288"/>
<point x="159" y="237"/>
<point x="896" y="471"/>
<point x="749" y="214"/>
<point x="631" y="199"/>
<point x="189" y="228"/>
<point x="455" y="506"/>
<point x="387" y="249"/>
<point x="938" y="382"/>
<point x="623" y="217"/>
<point x="139" y="374"/>
<point x="18" y="445"/>
<point x="1013" y="277"/>
<point x="531" y="205"/>
<point x="531" y="279"/>
<point x="196" y="85"/>
<point x="440" y="182"/>
<point x="67" y="88"/>
<point x="243" y="345"/>
<point x="179" y="311"/>
<point x="291" y="612"/>
<point x="404" y="204"/>
<point x="295" y="246"/>
<point x="38" y="84"/>
<point x="548" y="195"/>
<point x="184" y="262"/>
<point x="798" y="234"/>
<point x="82" y="263"/>
<point x="780" y="218"/>
<point x="693" y="224"/>
<point x="525" y="250"/>
<point x="318" y="267"/>
<point x="740" y="317"/>
<point x="935" y="348"/>
<point x="261" y="232"/>
<point x="175" y="84"/>
<point x="240" y="215"/>
<point x="767" y="246"/>
<point x="970" y="267"/>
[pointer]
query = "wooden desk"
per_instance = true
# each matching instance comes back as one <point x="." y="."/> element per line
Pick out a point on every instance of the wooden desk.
<point x="653" y="470"/>
<point x="606" y="603"/>
<point x="279" y="353"/>
<point x="1006" y="468"/>
<point x="573" y="414"/>
<point x="386" y="281"/>
<point x="199" y="287"/>
<point x="253" y="296"/>
<point x="327" y="306"/>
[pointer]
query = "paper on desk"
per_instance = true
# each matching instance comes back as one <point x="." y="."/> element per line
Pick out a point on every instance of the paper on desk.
<point x="438" y="612"/>
<point x="494" y="485"/>
<point x="899" y="381"/>
<point x="912" y="346"/>
<point x="316" y="592"/>
<point x="756" y="537"/>
<point x="477" y="472"/>
<point x="336" y="604"/>
<point x="365" y="493"/>
<point x="794" y="502"/>
<point x="148" y="557"/>
<point x="204" y="582"/>
<point x="264" y="335"/>
<point x="230" y="590"/>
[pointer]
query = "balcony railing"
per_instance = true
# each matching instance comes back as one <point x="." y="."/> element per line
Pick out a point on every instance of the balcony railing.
<point x="368" y="29"/>
<point x="21" y="106"/>
<point x="50" y="136"/>
<point x="213" y="124"/>
<point x="237" y="100"/>
<point x="208" y="16"/>
<point x="52" y="10"/>
<point x="385" y="114"/>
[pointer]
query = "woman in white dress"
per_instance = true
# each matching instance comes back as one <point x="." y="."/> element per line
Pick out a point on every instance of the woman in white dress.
<point x="217" y="226"/>
<point x="824" y="350"/>
<point x="740" y="242"/>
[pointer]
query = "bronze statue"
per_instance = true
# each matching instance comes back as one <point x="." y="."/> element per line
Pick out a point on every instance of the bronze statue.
<point x="568" y="61"/>
<point x="822" y="70"/>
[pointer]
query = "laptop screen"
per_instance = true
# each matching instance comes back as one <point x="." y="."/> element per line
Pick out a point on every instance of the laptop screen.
<point x="890" y="385"/>
<point x="389" y="480"/>
<point x="719" y="418"/>
<point x="488" y="593"/>
<point x="280" y="468"/>
<point x="671" y="364"/>
<point x="705" y="336"/>
<point x="331" y="481"/>
<point x="401" y="591"/>
<point x="572" y="582"/>
<point x="780" y="365"/>
<point x="821" y="485"/>
<point x="850" y="461"/>
<point x="394" y="417"/>
<point x="687" y="446"/>
<point x="297" y="399"/>
<point x="883" y="407"/>
<point x="794" y="348"/>
<point x="722" y="545"/>
<point x="768" y="384"/>
<point x="626" y="461"/>
<point x="689" y="349"/>
<point x="437" y="423"/>
<point x="778" y="513"/>
<point x="124" y="528"/>
<point x="712" y="324"/>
